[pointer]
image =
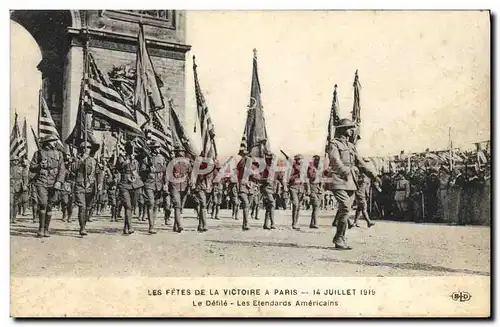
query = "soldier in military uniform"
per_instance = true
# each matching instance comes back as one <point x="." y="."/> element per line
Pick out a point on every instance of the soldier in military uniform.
<point x="343" y="158"/>
<point x="99" y="198"/>
<point x="217" y="192"/>
<point x="111" y="188"/>
<point x="235" y="203"/>
<point x="48" y="165"/>
<point x="84" y="168"/>
<point x="25" y="195"/>
<point x="178" y="186"/>
<point x="313" y="189"/>
<point x="18" y="183"/>
<point x="245" y="189"/>
<point x="67" y="189"/>
<point x="297" y="188"/>
<point x="128" y="185"/>
<point x="401" y="193"/>
<point x="153" y="170"/>
<point x="361" y="195"/>
<point x="256" y="199"/>
<point x="267" y="187"/>
<point x="202" y="186"/>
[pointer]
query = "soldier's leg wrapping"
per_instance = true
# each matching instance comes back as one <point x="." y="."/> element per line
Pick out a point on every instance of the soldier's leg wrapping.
<point x="12" y="206"/>
<point x="177" y="203"/>
<point x="244" y="198"/>
<point x="42" y="195"/>
<point x="126" y="202"/>
<point x="344" y="199"/>
<point x="236" y="205"/>
<point x="202" y="215"/>
<point x="294" y="197"/>
<point x="314" y="214"/>
<point x="167" y="207"/>
<point x="64" y="205"/>
<point x="149" y="201"/>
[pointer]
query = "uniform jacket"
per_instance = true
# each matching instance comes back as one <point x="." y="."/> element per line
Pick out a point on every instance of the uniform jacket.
<point x="153" y="172"/>
<point x="295" y="180"/>
<point x="344" y="160"/>
<point x="314" y="180"/>
<point x="128" y="168"/>
<point x="53" y="171"/>
<point x="180" y="170"/>
<point x="18" y="178"/>
<point x="85" y="174"/>
<point x="402" y="189"/>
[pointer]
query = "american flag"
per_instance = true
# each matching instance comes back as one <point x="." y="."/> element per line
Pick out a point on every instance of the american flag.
<point x="105" y="101"/>
<point x="356" y="108"/>
<point x="255" y="132"/>
<point x="147" y="96"/>
<point x="207" y="127"/>
<point x="334" y="118"/>
<point x="46" y="125"/>
<point x="161" y="134"/>
<point x="17" y="142"/>
<point x="179" y="134"/>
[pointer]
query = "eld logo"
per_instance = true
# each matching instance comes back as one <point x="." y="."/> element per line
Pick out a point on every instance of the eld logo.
<point x="461" y="296"/>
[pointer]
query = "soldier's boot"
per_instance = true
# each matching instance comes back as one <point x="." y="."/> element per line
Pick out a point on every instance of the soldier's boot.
<point x="113" y="213"/>
<point x="70" y="213"/>
<point x="295" y="213"/>
<point x="271" y="217"/>
<point x="356" y="218"/>
<point x="217" y="208"/>
<point x="339" y="238"/>
<point x="256" y="217"/>
<point x="245" y="219"/>
<point x="167" y="216"/>
<point x="314" y="217"/>
<point x="367" y="218"/>
<point x="64" y="210"/>
<point x="24" y="209"/>
<point x="46" y="224"/>
<point x="82" y="220"/>
<point x="178" y="220"/>
<point x="13" y="213"/>
<point x="266" y="219"/>
<point x="41" y="222"/>
<point x="202" y="224"/>
<point x="127" y="227"/>
<point x="35" y="213"/>
<point x="151" y="220"/>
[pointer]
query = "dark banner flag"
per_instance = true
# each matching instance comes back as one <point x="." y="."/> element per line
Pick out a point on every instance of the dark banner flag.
<point x="255" y="139"/>
<point x="333" y="120"/>
<point x="356" y="109"/>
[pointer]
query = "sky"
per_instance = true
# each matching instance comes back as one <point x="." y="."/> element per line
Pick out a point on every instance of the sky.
<point x="421" y="73"/>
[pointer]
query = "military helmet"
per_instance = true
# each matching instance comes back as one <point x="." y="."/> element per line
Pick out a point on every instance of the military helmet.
<point x="298" y="157"/>
<point x="85" y="145"/>
<point x="14" y="158"/>
<point x="316" y="157"/>
<point x="345" y="123"/>
<point x="49" y="138"/>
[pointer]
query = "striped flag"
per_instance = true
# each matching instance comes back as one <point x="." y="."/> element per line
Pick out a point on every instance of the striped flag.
<point x="179" y="135"/>
<point x="105" y="101"/>
<point x="17" y="143"/>
<point x="161" y="134"/>
<point x="356" y="108"/>
<point x="207" y="127"/>
<point x="333" y="120"/>
<point x="255" y="139"/>
<point x="147" y="96"/>
<point x="25" y="135"/>
<point x="46" y="125"/>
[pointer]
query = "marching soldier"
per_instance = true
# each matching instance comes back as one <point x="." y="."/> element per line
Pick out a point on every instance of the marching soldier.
<point x="48" y="164"/>
<point x="18" y="182"/>
<point x="362" y="193"/>
<point x="84" y="168"/>
<point x="67" y="189"/>
<point x="245" y="190"/>
<point x="217" y="192"/>
<point x="141" y="205"/>
<point x="153" y="171"/>
<point x="99" y="199"/>
<point x="25" y="196"/>
<point x="202" y="186"/>
<point x="343" y="159"/>
<point x="178" y="186"/>
<point x="111" y="189"/>
<point x="297" y="189"/>
<point x="235" y="203"/>
<point x="129" y="184"/>
<point x="267" y="186"/>
<point x="402" y="193"/>
<point x="256" y="199"/>
<point x="313" y="189"/>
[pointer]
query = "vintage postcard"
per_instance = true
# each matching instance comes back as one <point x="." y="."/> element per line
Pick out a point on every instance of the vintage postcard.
<point x="177" y="163"/>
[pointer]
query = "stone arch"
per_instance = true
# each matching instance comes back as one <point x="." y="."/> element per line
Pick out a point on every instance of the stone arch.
<point x="49" y="29"/>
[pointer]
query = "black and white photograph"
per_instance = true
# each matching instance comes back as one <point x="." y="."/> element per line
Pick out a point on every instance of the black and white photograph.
<point x="263" y="163"/>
